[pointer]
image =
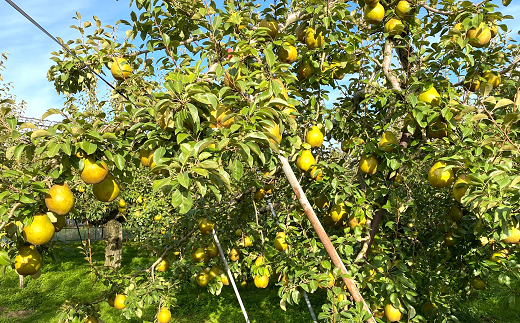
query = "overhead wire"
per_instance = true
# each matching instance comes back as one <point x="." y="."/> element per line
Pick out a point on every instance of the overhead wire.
<point x="28" y="17"/>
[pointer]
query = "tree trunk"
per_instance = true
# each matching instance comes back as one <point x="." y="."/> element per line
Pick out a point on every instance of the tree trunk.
<point x="114" y="248"/>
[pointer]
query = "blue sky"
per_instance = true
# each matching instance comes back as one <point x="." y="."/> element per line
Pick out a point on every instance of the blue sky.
<point x="30" y="49"/>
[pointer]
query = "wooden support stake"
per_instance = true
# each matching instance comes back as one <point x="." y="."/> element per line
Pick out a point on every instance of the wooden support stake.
<point x="324" y="238"/>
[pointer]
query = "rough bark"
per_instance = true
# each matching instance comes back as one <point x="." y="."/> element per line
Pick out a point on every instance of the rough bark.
<point x="114" y="248"/>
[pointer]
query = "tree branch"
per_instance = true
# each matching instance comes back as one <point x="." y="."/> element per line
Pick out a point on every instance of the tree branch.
<point x="11" y="214"/>
<point x="437" y="11"/>
<point x="387" y="62"/>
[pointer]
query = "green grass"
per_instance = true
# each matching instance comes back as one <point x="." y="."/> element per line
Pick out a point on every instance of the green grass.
<point x="69" y="278"/>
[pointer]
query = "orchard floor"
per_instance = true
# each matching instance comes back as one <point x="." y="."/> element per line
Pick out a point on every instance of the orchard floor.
<point x="69" y="279"/>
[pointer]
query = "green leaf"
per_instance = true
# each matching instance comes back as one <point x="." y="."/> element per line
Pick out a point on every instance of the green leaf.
<point x="119" y="161"/>
<point x="50" y="112"/>
<point x="88" y="147"/>
<point x="40" y="133"/>
<point x="269" y="56"/>
<point x="207" y="98"/>
<point x="184" y="179"/>
<point x="158" y="184"/>
<point x="237" y="169"/>
<point x="4" y="258"/>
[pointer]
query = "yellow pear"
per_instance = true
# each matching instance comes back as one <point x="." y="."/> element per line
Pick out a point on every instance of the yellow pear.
<point x="404" y="10"/>
<point x="60" y="199"/>
<point x="388" y="141"/>
<point x="374" y="14"/>
<point x="279" y="242"/>
<point x="394" y="27"/>
<point x="438" y="177"/>
<point x="287" y="53"/>
<point x="492" y="78"/>
<point x="119" y="301"/>
<point x="431" y="96"/>
<point x="479" y="37"/>
<point x="514" y="236"/>
<point x="368" y="165"/>
<point x="28" y="261"/>
<point x="338" y="212"/>
<point x="261" y="281"/>
<point x="164" y="315"/>
<point x="234" y="255"/>
<point x="198" y="255"/>
<point x="274" y="131"/>
<point x="455" y="214"/>
<point x="120" y="68"/>
<point x="163" y="265"/>
<point x="203" y="278"/>
<point x="314" y="137"/>
<point x="144" y="155"/>
<point x="392" y="314"/>
<point x="206" y="226"/>
<point x="305" y="160"/>
<point x="314" y="40"/>
<point x="93" y="172"/>
<point x="107" y="190"/>
<point x="40" y="231"/>
<point x="460" y="187"/>
<point x="478" y="283"/>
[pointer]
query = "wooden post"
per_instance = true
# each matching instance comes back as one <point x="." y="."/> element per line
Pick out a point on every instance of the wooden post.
<point x="324" y="238"/>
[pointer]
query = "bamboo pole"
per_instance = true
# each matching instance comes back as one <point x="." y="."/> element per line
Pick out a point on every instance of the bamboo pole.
<point x="324" y="238"/>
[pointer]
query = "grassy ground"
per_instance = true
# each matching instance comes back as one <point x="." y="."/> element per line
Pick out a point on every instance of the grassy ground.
<point x="69" y="278"/>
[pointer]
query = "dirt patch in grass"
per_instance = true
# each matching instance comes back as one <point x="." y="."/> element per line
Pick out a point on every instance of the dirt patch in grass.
<point x="16" y="314"/>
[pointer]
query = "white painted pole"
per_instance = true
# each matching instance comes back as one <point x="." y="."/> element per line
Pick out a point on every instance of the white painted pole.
<point x="230" y="275"/>
<point x="309" y="305"/>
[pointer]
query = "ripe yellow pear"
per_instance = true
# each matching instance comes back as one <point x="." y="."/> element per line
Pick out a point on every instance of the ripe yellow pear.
<point x="472" y="83"/>
<point x="164" y="315"/>
<point x="460" y="187"/>
<point x="198" y="255"/>
<point x="274" y="131"/>
<point x="304" y="70"/>
<point x="119" y="301"/>
<point x="120" y="69"/>
<point x="212" y="250"/>
<point x="393" y="314"/>
<point x="214" y="272"/>
<point x="279" y="242"/>
<point x="206" y="226"/>
<point x="107" y="190"/>
<point x="388" y="141"/>
<point x="225" y="279"/>
<point x="234" y="255"/>
<point x="404" y="10"/>
<point x="259" y="194"/>
<point x="314" y="40"/>
<point x="287" y="53"/>
<point x="438" y="177"/>
<point x="305" y="160"/>
<point x="394" y="27"/>
<point x="261" y="281"/>
<point x="492" y="78"/>
<point x="514" y="236"/>
<point x="479" y="37"/>
<point x="91" y="319"/>
<point x="368" y="165"/>
<point x="338" y="212"/>
<point x="144" y="155"/>
<point x="272" y="25"/>
<point x="163" y="265"/>
<point x="374" y="14"/>
<point x="203" y="278"/>
<point x="314" y="137"/>
<point x="93" y="172"/>
<point x="329" y="283"/>
<point x="40" y="231"/>
<point x="60" y="199"/>
<point x="430" y="96"/>
<point x="28" y="261"/>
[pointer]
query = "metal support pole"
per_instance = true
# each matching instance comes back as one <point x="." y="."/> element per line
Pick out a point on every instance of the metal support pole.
<point x="309" y="305"/>
<point x="324" y="238"/>
<point x="230" y="276"/>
